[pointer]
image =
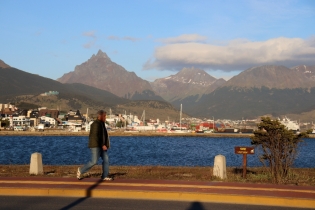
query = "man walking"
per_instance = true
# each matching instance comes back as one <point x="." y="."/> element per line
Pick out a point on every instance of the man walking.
<point x="99" y="143"/>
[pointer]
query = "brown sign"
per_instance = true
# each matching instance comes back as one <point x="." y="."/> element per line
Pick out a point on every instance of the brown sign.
<point x="244" y="150"/>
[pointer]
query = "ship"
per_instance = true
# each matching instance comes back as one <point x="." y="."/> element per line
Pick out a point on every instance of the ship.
<point x="290" y="125"/>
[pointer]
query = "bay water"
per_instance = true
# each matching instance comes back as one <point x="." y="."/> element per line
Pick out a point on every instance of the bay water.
<point x="139" y="151"/>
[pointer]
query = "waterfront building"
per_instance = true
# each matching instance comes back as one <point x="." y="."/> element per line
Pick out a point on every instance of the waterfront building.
<point x="34" y="118"/>
<point x="75" y="117"/>
<point x="53" y="113"/>
<point x="48" y="121"/>
<point x="21" y="121"/>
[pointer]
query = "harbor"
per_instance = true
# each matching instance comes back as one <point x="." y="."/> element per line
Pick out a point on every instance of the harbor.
<point x="48" y="132"/>
<point x="140" y="150"/>
<point x="44" y="121"/>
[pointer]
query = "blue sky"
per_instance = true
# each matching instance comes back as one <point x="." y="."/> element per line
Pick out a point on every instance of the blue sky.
<point x="157" y="38"/>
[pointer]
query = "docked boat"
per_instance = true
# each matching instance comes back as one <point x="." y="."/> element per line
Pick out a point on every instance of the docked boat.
<point x="290" y="125"/>
<point x="179" y="129"/>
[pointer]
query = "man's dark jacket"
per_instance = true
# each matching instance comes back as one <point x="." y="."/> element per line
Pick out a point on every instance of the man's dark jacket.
<point x="98" y="135"/>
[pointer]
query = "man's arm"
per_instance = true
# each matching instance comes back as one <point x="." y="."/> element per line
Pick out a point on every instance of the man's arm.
<point x="95" y="135"/>
<point x="104" y="147"/>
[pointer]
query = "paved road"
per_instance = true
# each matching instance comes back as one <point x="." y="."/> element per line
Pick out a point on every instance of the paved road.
<point x="185" y="193"/>
<point x="63" y="203"/>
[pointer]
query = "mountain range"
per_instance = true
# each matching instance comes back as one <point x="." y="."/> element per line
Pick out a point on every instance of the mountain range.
<point x="279" y="77"/>
<point x="100" y="72"/>
<point x="24" y="90"/>
<point x="187" y="82"/>
<point x="264" y="90"/>
<point x="257" y="91"/>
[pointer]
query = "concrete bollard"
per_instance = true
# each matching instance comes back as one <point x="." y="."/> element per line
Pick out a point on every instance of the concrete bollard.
<point x="36" y="166"/>
<point x="219" y="168"/>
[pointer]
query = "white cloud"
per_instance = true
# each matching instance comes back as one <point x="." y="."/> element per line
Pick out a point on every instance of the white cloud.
<point x="184" y="39"/>
<point x="113" y="38"/>
<point x="89" y="34"/>
<point x="129" y="38"/>
<point x="39" y="32"/>
<point x="89" y="44"/>
<point x="236" y="55"/>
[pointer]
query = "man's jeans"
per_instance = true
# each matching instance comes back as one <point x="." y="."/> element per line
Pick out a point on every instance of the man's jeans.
<point x="95" y="154"/>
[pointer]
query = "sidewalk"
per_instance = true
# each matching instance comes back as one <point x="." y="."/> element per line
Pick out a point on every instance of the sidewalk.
<point x="219" y="192"/>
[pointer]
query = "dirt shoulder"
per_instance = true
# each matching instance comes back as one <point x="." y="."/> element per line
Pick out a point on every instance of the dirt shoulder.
<point x="297" y="176"/>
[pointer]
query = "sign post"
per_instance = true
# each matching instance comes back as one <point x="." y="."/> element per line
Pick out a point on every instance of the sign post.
<point x="244" y="151"/>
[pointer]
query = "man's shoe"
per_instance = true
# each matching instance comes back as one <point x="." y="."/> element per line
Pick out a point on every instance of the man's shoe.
<point x="108" y="179"/>
<point x="79" y="177"/>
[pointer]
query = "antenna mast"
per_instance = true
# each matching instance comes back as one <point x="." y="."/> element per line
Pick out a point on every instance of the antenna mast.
<point x="180" y="117"/>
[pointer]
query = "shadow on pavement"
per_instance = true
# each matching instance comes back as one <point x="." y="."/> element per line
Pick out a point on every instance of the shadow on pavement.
<point x="196" y="206"/>
<point x="117" y="174"/>
<point x="87" y="195"/>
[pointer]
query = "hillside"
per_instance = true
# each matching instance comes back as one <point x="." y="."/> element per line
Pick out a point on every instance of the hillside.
<point x="24" y="89"/>
<point x="274" y="90"/>
<point x="257" y="91"/>
<point x="278" y="77"/>
<point x="236" y="103"/>
<point x="3" y="64"/>
<point x="190" y="102"/>
<point x="19" y="83"/>
<point x="100" y="72"/>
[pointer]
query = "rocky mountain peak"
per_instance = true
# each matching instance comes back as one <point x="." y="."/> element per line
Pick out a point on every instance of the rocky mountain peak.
<point x="187" y="82"/>
<point x="308" y="71"/>
<point x="100" y="57"/>
<point x="101" y="54"/>
<point x="304" y="68"/>
<point x="192" y="76"/>
<point x="100" y="72"/>
<point x="3" y="64"/>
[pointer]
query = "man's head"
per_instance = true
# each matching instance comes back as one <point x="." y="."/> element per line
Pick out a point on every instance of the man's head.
<point x="101" y="115"/>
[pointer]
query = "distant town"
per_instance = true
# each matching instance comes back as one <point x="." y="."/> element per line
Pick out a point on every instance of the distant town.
<point x="43" y="118"/>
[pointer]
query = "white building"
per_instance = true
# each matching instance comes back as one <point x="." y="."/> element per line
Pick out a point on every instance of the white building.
<point x="48" y="121"/>
<point x="21" y="121"/>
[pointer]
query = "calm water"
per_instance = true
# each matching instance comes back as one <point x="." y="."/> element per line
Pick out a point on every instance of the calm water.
<point x="166" y="151"/>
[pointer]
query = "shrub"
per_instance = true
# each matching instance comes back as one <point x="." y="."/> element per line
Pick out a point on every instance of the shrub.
<point x="279" y="147"/>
